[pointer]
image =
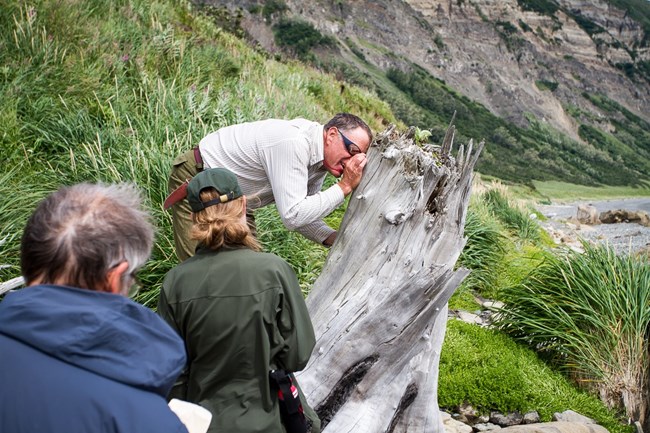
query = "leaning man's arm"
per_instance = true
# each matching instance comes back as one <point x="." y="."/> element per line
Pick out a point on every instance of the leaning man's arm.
<point x="287" y="167"/>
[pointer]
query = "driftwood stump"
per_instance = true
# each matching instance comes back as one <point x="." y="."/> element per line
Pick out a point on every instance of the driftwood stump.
<point x="379" y="307"/>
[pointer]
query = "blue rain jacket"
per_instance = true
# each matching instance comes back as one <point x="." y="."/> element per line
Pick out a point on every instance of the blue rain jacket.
<point x="74" y="360"/>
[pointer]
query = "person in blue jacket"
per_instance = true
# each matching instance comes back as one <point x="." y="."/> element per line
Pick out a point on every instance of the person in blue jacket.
<point x="76" y="354"/>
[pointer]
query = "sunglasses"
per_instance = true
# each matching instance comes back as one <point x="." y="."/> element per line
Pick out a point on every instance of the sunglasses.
<point x="350" y="146"/>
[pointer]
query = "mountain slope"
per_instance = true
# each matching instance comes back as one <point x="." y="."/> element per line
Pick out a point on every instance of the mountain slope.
<point x="559" y="90"/>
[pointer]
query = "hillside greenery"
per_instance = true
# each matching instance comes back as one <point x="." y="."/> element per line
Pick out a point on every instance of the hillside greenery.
<point x="538" y="152"/>
<point x="514" y="152"/>
<point x="113" y="91"/>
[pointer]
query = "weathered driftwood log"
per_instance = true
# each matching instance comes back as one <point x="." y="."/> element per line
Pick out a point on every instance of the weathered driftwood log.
<point x="11" y="284"/>
<point x="379" y="307"/>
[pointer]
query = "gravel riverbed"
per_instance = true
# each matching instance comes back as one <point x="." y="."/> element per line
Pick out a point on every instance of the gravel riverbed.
<point x="623" y="237"/>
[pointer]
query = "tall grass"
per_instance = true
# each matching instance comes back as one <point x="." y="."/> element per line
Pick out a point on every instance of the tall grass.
<point x="485" y="248"/>
<point x="515" y="219"/>
<point x="502" y="243"/>
<point x="305" y="257"/>
<point x="113" y="91"/>
<point x="590" y="314"/>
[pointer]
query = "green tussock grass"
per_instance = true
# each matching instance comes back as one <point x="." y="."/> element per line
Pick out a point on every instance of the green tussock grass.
<point x="589" y="314"/>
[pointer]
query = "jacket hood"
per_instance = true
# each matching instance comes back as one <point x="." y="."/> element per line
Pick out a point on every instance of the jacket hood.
<point x="105" y="333"/>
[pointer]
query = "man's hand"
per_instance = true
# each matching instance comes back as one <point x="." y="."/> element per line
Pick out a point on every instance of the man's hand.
<point x="352" y="172"/>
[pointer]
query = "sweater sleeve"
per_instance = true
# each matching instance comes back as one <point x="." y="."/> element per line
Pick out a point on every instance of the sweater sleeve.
<point x="299" y="204"/>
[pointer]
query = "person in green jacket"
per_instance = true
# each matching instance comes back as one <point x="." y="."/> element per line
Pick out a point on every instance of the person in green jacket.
<point x="240" y="312"/>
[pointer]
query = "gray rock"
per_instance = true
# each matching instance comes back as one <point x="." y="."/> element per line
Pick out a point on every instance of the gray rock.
<point x="486" y="427"/>
<point x="513" y="418"/>
<point x="468" y="317"/>
<point x="555" y="427"/>
<point x="531" y="417"/>
<point x="468" y="412"/>
<point x="571" y="416"/>
<point x="453" y="426"/>
<point x="587" y="214"/>
<point x="493" y="305"/>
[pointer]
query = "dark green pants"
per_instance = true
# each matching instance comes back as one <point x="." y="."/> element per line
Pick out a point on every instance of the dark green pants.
<point x="184" y="168"/>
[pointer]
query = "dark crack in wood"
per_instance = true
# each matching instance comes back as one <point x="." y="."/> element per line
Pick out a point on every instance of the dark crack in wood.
<point x="407" y="399"/>
<point x="343" y="388"/>
<point x="434" y="202"/>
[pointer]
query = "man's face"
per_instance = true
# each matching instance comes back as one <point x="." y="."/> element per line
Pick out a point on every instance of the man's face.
<point x="341" y="145"/>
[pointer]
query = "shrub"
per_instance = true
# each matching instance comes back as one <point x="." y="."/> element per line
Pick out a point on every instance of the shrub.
<point x="274" y="7"/>
<point x="544" y="7"/>
<point x="507" y="27"/>
<point x="590" y="314"/>
<point x="355" y="49"/>
<point x="298" y="36"/>
<point x="525" y="27"/>
<point x="590" y="27"/>
<point x="546" y="85"/>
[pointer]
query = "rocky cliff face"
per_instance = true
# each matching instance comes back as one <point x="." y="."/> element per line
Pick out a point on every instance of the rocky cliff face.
<point x="493" y="52"/>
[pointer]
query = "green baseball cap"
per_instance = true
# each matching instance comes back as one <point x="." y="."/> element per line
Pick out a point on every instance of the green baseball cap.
<point x="221" y="179"/>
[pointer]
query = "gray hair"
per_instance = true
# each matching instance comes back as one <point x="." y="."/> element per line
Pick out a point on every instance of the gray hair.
<point x="347" y="122"/>
<point x="79" y="233"/>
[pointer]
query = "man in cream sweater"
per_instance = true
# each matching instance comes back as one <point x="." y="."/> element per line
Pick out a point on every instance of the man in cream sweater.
<point x="278" y="161"/>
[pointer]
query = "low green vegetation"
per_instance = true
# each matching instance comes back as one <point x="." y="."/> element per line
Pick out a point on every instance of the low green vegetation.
<point x="542" y="7"/>
<point x="590" y="27"/>
<point x="487" y="369"/>
<point x="272" y="7"/>
<point x="299" y="37"/>
<point x="546" y="85"/>
<point x="567" y="192"/>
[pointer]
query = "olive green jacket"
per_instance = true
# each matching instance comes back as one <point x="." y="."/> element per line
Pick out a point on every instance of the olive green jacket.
<point x="241" y="314"/>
